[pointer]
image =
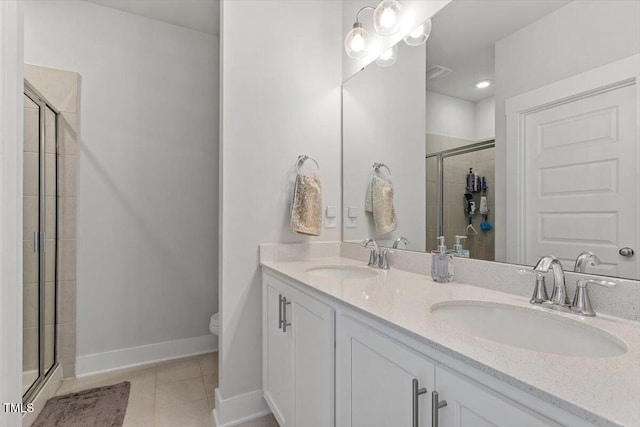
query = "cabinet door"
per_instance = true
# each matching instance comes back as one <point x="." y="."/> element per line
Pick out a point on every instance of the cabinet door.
<point x="313" y="359"/>
<point x="469" y="404"/>
<point x="277" y="375"/>
<point x="375" y="379"/>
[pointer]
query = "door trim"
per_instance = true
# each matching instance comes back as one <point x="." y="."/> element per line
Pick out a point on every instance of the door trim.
<point x="605" y="78"/>
<point x="11" y="146"/>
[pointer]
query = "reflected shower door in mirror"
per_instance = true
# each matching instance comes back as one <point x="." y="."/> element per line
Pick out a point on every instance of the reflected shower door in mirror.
<point x="506" y="129"/>
<point x="460" y="196"/>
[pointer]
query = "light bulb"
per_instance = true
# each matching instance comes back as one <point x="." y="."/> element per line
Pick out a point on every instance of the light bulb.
<point x="388" y="57"/>
<point x="419" y="35"/>
<point x="356" y="42"/>
<point x="417" y="32"/>
<point x="386" y="54"/>
<point x="386" y="17"/>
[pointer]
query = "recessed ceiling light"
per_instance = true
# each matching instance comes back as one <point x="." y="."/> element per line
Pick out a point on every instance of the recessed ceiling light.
<point x="483" y="84"/>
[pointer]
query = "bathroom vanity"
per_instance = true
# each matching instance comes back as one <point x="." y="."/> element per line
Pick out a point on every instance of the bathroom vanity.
<point x="349" y="345"/>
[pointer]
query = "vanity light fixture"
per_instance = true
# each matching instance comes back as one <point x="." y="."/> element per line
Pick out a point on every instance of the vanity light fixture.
<point x="483" y="84"/>
<point x="386" y="21"/>
<point x="356" y="41"/>
<point x="419" y="35"/>
<point x="388" y="57"/>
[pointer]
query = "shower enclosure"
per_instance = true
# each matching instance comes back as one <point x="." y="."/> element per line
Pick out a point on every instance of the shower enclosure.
<point x="446" y="183"/>
<point x="40" y="223"/>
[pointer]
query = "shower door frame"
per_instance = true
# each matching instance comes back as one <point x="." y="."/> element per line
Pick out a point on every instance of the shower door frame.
<point x="440" y="156"/>
<point x="43" y="372"/>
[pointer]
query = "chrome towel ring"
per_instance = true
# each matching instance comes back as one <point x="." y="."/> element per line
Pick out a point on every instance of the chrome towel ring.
<point x="302" y="158"/>
<point x="377" y="166"/>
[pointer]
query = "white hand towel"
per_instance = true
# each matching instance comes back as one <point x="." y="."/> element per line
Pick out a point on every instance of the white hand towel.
<point x="306" y="206"/>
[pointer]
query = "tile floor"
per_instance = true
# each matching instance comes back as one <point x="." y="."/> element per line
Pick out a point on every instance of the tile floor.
<point x="178" y="393"/>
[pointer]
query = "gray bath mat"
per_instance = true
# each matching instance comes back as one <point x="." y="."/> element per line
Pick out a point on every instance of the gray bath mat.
<point x="97" y="407"/>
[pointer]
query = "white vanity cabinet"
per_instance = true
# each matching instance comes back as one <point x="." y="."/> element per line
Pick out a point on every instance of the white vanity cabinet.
<point x="383" y="377"/>
<point x="469" y="404"/>
<point x="374" y="387"/>
<point x="298" y="356"/>
<point x="379" y="380"/>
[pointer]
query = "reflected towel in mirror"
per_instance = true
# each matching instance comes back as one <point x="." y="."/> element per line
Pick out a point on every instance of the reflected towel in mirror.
<point x="381" y="193"/>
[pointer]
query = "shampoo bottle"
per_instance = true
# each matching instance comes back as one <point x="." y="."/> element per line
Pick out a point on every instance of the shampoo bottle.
<point x="470" y="180"/>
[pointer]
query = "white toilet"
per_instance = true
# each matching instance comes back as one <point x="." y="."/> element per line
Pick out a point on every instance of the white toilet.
<point x="214" y="324"/>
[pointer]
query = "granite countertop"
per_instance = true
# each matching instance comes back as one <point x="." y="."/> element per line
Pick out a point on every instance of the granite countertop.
<point x="604" y="391"/>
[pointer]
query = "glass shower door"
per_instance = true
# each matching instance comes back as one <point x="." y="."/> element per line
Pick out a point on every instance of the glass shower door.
<point x="31" y="260"/>
<point x="50" y="210"/>
<point x="39" y="241"/>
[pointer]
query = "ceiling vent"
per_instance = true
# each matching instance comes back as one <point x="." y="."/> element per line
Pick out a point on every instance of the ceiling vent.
<point x="437" y="71"/>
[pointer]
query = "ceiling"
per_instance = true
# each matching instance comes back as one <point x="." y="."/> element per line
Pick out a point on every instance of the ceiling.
<point x="463" y="37"/>
<point x="199" y="15"/>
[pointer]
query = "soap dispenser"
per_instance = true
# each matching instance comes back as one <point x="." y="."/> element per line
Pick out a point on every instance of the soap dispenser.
<point x="441" y="263"/>
<point x="458" y="250"/>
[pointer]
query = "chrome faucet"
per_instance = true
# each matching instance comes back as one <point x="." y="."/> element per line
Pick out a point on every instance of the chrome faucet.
<point x="559" y="293"/>
<point x="377" y="258"/>
<point x="400" y="240"/>
<point x="373" y="255"/>
<point x="581" y="304"/>
<point x="584" y="259"/>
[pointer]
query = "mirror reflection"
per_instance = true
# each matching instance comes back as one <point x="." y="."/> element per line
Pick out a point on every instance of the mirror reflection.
<point x="506" y="133"/>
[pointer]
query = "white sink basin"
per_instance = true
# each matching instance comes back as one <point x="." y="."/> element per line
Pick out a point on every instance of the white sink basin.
<point x="342" y="272"/>
<point x="529" y="329"/>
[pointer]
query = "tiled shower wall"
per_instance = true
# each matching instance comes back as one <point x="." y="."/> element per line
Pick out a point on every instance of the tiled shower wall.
<point x="481" y="246"/>
<point x="61" y="88"/>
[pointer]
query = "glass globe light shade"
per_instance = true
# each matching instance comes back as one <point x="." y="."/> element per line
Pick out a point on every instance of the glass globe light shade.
<point x="388" y="57"/>
<point x="419" y="35"/>
<point x="386" y="17"/>
<point x="356" y="42"/>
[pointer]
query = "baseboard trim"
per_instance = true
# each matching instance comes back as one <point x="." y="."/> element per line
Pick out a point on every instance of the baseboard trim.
<point x="142" y="355"/>
<point x="239" y="409"/>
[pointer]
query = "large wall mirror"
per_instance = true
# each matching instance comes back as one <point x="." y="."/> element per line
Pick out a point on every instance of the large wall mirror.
<point x="514" y="127"/>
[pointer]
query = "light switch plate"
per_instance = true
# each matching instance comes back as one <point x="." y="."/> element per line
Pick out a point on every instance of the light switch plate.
<point x="331" y="217"/>
<point x="352" y="217"/>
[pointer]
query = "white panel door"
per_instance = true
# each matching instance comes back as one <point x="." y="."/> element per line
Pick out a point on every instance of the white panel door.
<point x="471" y="405"/>
<point x="313" y="344"/>
<point x="581" y="184"/>
<point x="277" y="376"/>
<point x="375" y="379"/>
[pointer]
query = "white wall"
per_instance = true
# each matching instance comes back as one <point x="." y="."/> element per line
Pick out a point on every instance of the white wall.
<point x="383" y="121"/>
<point x="148" y="171"/>
<point x="460" y="118"/>
<point x="413" y="13"/>
<point x="280" y="98"/>
<point x="449" y="116"/>
<point x="577" y="37"/>
<point x="485" y="119"/>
